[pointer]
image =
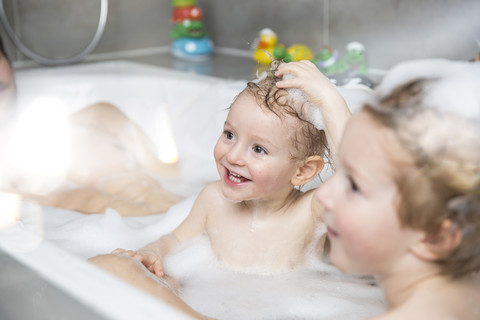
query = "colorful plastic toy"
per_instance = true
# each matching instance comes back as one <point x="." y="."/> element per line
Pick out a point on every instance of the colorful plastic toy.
<point x="327" y="60"/>
<point x="295" y="52"/>
<point x="267" y="49"/>
<point x="190" y="40"/>
<point x="192" y="48"/>
<point x="183" y="3"/>
<point x="355" y="58"/>
<point x="267" y="41"/>
<point x="349" y="70"/>
<point x="188" y="28"/>
<point x="180" y="14"/>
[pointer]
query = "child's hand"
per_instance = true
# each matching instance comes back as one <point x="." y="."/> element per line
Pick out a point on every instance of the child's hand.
<point x="309" y="79"/>
<point x="322" y="93"/>
<point x="148" y="258"/>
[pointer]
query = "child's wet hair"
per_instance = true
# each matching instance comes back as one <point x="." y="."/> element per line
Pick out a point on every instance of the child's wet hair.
<point x="308" y="140"/>
<point x="444" y="180"/>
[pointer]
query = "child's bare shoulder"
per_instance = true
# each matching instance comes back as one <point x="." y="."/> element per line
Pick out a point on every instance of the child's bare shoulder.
<point x="213" y="188"/>
<point x="208" y="200"/>
<point x="211" y="193"/>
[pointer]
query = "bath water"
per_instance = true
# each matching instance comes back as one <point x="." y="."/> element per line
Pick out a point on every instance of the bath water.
<point x="317" y="291"/>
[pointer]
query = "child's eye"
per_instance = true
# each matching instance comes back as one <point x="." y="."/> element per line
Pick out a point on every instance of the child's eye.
<point x="228" y="135"/>
<point x="353" y="185"/>
<point x="258" y="149"/>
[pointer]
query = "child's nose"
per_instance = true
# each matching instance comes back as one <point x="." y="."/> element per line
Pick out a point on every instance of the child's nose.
<point x="324" y="194"/>
<point x="235" y="155"/>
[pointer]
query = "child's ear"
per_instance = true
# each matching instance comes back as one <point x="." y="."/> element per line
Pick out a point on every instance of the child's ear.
<point x="439" y="246"/>
<point x="309" y="170"/>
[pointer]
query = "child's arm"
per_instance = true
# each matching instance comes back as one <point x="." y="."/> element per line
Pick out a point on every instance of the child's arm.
<point x="321" y="92"/>
<point x="133" y="273"/>
<point x="152" y="254"/>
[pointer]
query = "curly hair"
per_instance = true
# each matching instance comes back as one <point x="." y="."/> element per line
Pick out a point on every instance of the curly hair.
<point x="307" y="140"/>
<point x="444" y="182"/>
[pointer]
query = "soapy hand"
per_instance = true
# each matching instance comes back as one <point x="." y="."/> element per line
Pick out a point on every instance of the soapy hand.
<point x="321" y="93"/>
<point x="148" y="258"/>
<point x="309" y="79"/>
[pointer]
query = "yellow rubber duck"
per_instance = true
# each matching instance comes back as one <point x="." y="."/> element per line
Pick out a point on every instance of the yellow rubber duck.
<point x="267" y="41"/>
<point x="300" y="52"/>
<point x="295" y="52"/>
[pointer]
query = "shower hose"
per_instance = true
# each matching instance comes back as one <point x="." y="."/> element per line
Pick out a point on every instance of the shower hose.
<point x="57" y="61"/>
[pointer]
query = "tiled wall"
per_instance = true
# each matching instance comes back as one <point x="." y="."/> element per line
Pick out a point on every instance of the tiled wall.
<point x="395" y="30"/>
<point x="391" y="30"/>
<point x="64" y="27"/>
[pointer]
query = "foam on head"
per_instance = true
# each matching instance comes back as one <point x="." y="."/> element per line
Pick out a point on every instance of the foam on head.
<point x="309" y="138"/>
<point x="310" y="111"/>
<point x="433" y="106"/>
<point x="454" y="89"/>
<point x="299" y="99"/>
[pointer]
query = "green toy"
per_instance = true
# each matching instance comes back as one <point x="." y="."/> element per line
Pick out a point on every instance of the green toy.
<point x="328" y="62"/>
<point x="295" y="52"/>
<point x="188" y="28"/>
<point x="355" y="58"/>
<point x="183" y="3"/>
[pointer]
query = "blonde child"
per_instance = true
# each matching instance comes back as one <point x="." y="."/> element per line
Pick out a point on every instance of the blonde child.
<point x="255" y="217"/>
<point x="404" y="203"/>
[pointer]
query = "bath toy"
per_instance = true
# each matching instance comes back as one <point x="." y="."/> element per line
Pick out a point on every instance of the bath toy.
<point x="327" y="61"/>
<point x="192" y="48"/>
<point x="355" y="58"/>
<point x="267" y="49"/>
<point x="188" y="28"/>
<point x="267" y="41"/>
<point x="180" y="14"/>
<point x="295" y="52"/>
<point x="190" y="40"/>
<point x="349" y="70"/>
<point x="183" y="3"/>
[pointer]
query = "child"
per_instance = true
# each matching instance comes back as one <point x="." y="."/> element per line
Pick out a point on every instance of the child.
<point x="114" y="164"/>
<point x="404" y="203"/>
<point x="255" y="217"/>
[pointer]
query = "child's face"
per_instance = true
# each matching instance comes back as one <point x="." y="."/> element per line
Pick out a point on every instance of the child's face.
<point x="253" y="153"/>
<point x="360" y="201"/>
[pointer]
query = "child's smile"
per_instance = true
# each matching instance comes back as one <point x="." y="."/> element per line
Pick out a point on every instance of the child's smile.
<point x="253" y="154"/>
<point x="234" y="179"/>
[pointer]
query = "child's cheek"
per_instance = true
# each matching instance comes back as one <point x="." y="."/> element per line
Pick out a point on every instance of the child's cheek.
<point x="353" y="234"/>
<point x="217" y="151"/>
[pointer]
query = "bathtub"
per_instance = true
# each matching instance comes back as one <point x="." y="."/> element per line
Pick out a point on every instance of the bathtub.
<point x="195" y="105"/>
<point x="55" y="246"/>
